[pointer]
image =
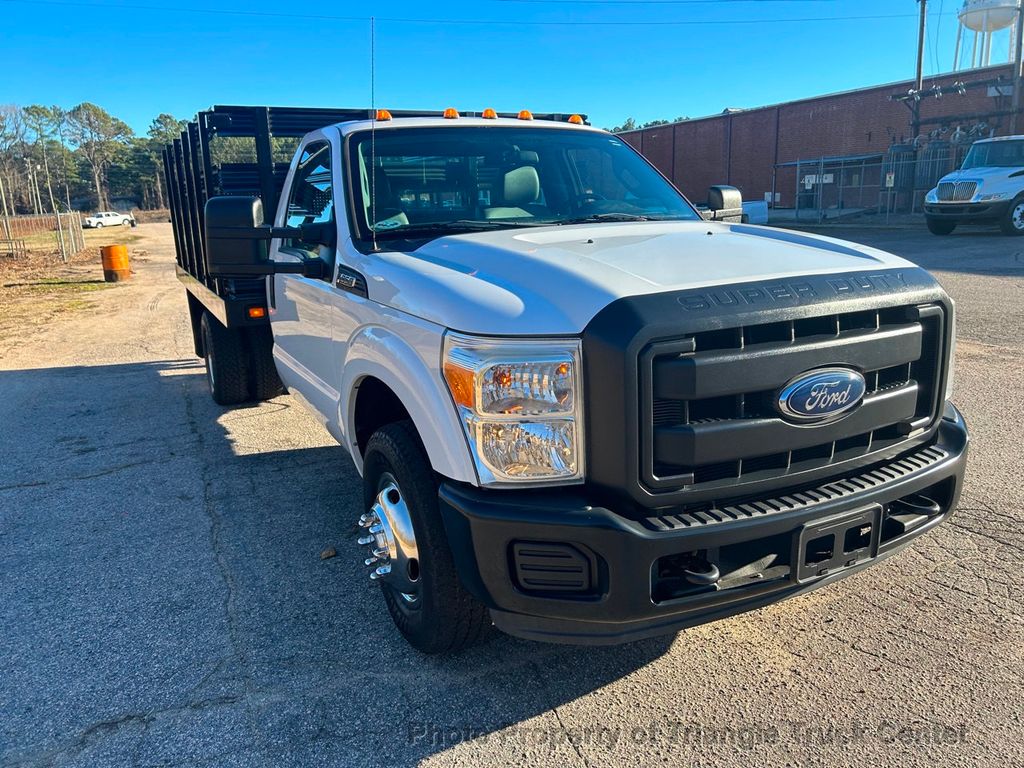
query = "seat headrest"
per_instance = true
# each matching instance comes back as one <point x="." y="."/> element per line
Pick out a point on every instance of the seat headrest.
<point x="522" y="186"/>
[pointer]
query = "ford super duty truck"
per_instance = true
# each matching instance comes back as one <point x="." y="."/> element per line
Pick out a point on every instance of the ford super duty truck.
<point x="583" y="411"/>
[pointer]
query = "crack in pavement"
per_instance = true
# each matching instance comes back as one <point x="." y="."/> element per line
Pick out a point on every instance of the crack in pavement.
<point x="103" y="728"/>
<point x="90" y="476"/>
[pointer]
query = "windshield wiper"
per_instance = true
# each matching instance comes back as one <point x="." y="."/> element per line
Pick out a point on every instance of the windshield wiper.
<point x="599" y="217"/>
<point x="459" y="225"/>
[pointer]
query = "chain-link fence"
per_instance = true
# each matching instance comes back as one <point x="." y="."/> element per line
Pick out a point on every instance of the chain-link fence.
<point x="59" y="233"/>
<point x="894" y="182"/>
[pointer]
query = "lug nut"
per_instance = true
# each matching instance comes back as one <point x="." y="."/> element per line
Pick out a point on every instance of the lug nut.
<point x="383" y="570"/>
<point x="380" y="552"/>
<point x="364" y="540"/>
<point x="378" y="528"/>
<point x="370" y="561"/>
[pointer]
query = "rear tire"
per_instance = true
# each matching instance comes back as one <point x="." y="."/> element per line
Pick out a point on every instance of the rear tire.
<point x="1012" y="222"/>
<point x="941" y="226"/>
<point x="226" y="362"/>
<point x="444" y="617"/>
<point x="264" y="383"/>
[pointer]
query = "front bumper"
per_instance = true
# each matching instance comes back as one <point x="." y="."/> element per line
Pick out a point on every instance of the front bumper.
<point x="623" y="565"/>
<point x="968" y="212"/>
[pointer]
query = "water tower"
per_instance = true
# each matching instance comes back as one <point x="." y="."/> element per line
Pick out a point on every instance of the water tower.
<point x="980" y="20"/>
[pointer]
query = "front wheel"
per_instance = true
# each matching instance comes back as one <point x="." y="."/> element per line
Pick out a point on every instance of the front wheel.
<point x="99" y="225"/>
<point x="408" y="550"/>
<point x="1012" y="222"/>
<point x="941" y="226"/>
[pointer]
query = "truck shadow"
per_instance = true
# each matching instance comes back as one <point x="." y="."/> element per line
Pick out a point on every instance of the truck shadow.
<point x="224" y="521"/>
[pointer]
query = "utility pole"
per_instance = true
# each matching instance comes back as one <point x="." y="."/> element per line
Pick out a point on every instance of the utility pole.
<point x="1018" y="68"/>
<point x="919" y="82"/>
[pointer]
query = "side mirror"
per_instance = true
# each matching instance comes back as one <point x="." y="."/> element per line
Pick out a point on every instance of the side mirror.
<point x="237" y="237"/>
<point x="725" y="203"/>
<point x="235" y="244"/>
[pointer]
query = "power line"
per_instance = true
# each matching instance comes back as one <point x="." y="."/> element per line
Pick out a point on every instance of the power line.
<point x="465" y="22"/>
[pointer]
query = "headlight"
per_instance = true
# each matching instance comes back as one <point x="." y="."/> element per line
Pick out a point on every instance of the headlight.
<point x="520" y="406"/>
<point x="993" y="196"/>
<point x="932" y="197"/>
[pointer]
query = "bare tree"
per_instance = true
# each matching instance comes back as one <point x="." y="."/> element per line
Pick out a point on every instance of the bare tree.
<point x="97" y="134"/>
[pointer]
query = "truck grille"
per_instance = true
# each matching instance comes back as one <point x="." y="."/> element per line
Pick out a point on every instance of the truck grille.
<point x="709" y="397"/>
<point x="957" y="191"/>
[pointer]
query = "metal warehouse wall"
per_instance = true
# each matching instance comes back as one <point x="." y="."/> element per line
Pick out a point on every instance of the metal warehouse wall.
<point x="743" y="148"/>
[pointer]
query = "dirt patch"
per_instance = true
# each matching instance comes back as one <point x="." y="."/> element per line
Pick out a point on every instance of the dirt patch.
<point x="39" y="288"/>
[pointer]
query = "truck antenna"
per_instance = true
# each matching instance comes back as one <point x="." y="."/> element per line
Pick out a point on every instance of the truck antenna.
<point x="373" y="136"/>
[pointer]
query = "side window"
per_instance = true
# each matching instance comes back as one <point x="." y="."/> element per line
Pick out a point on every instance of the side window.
<point x="311" y="198"/>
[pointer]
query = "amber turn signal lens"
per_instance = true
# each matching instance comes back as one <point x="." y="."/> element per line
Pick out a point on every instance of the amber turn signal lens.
<point x="525" y="115"/>
<point x="489" y="114"/>
<point x="383" y="114"/>
<point x="460" y="382"/>
<point x="451" y="113"/>
<point x="257" y="312"/>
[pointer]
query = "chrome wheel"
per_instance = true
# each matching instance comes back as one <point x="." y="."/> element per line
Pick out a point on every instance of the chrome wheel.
<point x="1017" y="217"/>
<point x="391" y="541"/>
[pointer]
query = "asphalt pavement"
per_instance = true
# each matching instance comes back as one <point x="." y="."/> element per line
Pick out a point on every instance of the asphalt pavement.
<point x="163" y="599"/>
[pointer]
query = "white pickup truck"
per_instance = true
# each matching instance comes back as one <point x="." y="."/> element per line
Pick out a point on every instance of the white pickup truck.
<point x="987" y="189"/>
<point x="583" y="412"/>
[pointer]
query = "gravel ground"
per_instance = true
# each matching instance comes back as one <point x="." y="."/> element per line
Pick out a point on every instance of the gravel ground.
<point x="163" y="600"/>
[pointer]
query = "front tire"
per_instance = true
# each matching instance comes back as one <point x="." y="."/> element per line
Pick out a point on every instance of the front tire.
<point x="99" y="225"/>
<point x="1012" y="222"/>
<point x="427" y="603"/>
<point x="941" y="226"/>
<point x="226" y="362"/>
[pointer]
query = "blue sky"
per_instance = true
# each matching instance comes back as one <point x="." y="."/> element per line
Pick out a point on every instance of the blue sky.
<point x="137" y="58"/>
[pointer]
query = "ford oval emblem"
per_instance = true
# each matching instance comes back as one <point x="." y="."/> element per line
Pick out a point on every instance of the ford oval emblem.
<point x="821" y="395"/>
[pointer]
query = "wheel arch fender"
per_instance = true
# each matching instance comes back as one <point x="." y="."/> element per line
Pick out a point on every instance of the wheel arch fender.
<point x="413" y="374"/>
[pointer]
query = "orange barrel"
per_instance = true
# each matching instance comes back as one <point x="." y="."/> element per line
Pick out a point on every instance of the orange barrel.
<point x="115" y="263"/>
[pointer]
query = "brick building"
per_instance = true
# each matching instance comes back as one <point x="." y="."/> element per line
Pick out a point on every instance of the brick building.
<point x="756" y="149"/>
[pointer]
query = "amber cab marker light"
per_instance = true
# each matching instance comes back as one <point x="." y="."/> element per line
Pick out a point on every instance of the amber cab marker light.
<point x="257" y="313"/>
<point x="489" y="114"/>
<point x="451" y="113"/>
<point x="525" y="115"/>
<point x="576" y="120"/>
<point x="383" y="114"/>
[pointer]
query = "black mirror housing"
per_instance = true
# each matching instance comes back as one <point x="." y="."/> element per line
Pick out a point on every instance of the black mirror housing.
<point x="725" y="203"/>
<point x="235" y="239"/>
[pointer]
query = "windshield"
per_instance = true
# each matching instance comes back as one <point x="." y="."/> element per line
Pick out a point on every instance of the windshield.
<point x="995" y="154"/>
<point x="428" y="182"/>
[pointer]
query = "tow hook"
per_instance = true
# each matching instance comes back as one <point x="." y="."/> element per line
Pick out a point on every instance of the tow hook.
<point x="701" y="573"/>
<point x="909" y="513"/>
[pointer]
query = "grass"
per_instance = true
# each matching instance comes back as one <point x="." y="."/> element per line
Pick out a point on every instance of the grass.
<point x="47" y="241"/>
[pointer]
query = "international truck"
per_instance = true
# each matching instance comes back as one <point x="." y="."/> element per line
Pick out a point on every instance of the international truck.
<point x="583" y="410"/>
<point x="987" y="189"/>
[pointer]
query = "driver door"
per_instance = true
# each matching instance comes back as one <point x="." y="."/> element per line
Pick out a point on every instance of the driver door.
<point x="301" y="307"/>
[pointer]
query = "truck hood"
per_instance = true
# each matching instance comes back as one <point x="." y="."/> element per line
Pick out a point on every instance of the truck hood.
<point x="553" y="280"/>
<point x="981" y="174"/>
